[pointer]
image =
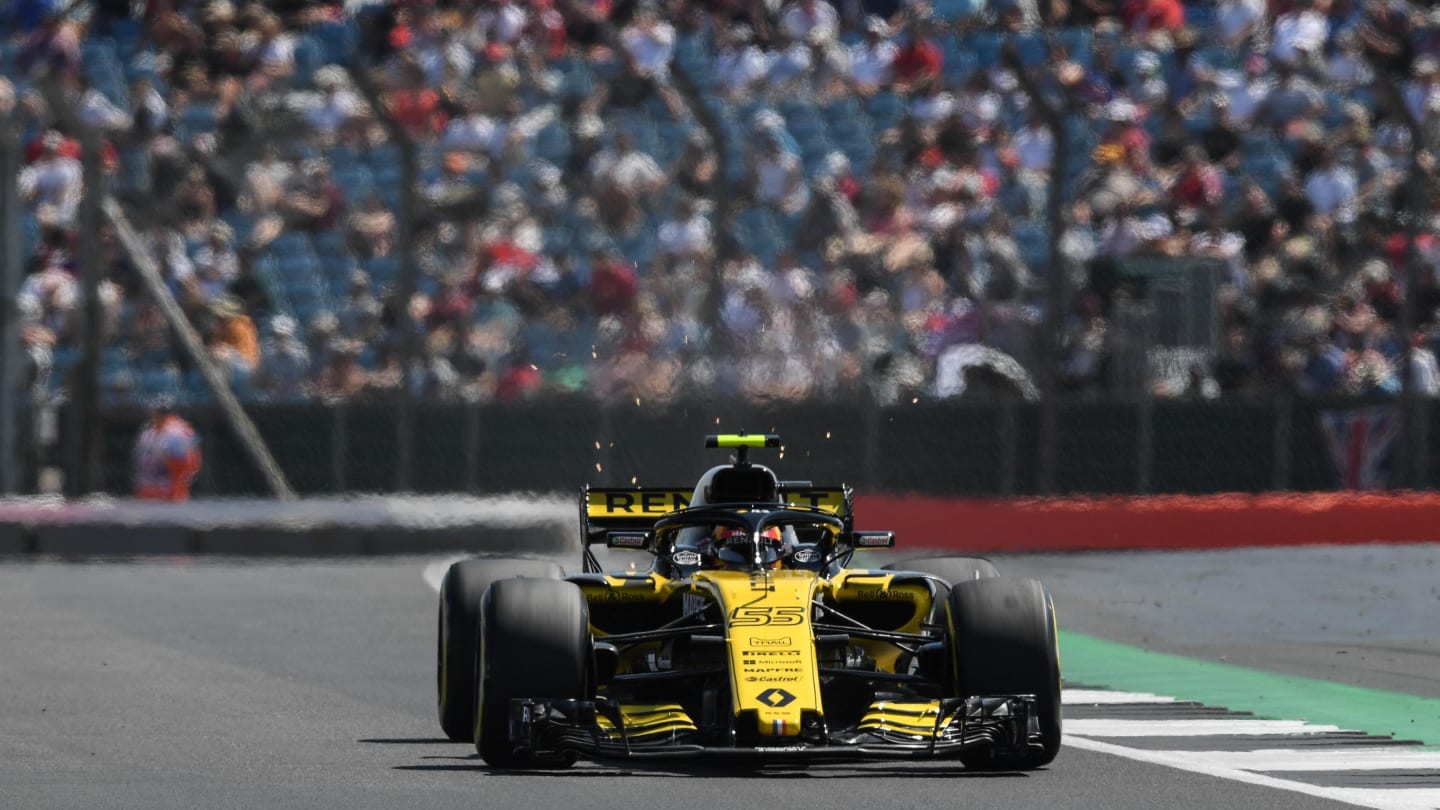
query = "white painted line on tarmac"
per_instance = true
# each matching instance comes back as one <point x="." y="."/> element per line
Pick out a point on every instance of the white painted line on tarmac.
<point x="1098" y="697"/>
<point x="1379" y="758"/>
<point x="1099" y="727"/>
<point x="1417" y="799"/>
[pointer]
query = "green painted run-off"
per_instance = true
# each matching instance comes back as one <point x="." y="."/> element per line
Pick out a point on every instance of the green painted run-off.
<point x="1100" y="663"/>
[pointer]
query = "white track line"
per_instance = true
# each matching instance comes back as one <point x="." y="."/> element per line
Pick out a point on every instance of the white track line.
<point x="1378" y="758"/>
<point x="1190" y="728"/>
<point x="1420" y="799"/>
<point x="1099" y="697"/>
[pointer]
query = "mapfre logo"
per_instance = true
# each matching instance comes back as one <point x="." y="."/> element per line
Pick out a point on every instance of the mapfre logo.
<point x="769" y="642"/>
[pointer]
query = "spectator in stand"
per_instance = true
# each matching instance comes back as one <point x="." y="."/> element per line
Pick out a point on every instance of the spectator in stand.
<point x="1197" y="186"/>
<point x="216" y="264"/>
<point x="359" y="315"/>
<point x="234" y="343"/>
<point x="337" y="106"/>
<point x="520" y="380"/>
<point x="613" y="283"/>
<point x="918" y="59"/>
<point x="415" y="105"/>
<point x="284" y="371"/>
<point x="1332" y="190"/>
<point x="1298" y="40"/>
<point x="687" y="236"/>
<point x="342" y="377"/>
<point x="812" y="21"/>
<point x="1147" y="19"/>
<point x="53" y="48"/>
<point x="776" y="176"/>
<point x="314" y="202"/>
<point x="272" y="51"/>
<point x="1238" y="21"/>
<point x="740" y="66"/>
<point x="52" y="184"/>
<point x="1293" y="99"/>
<point x="696" y="171"/>
<point x="625" y="179"/>
<point x="48" y="298"/>
<point x="648" y="45"/>
<point x="871" y="60"/>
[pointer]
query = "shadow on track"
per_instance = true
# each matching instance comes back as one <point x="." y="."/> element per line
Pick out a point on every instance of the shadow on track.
<point x="829" y="770"/>
<point x="408" y="741"/>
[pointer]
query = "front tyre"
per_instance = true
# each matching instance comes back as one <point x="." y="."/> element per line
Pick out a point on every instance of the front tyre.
<point x="459" y="622"/>
<point x="1002" y="639"/>
<point x="534" y="643"/>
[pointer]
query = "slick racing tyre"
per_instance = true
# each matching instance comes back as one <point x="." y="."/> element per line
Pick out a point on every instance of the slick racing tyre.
<point x="1002" y="638"/>
<point x="460" y="594"/>
<point x="950" y="569"/>
<point x="534" y="643"/>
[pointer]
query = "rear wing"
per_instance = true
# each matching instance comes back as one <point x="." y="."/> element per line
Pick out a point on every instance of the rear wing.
<point x="630" y="509"/>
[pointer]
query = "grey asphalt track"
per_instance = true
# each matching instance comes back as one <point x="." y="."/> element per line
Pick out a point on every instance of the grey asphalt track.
<point x="187" y="682"/>
<point x="1363" y="615"/>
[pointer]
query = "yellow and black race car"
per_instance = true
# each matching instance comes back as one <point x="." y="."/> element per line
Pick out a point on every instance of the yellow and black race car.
<point x="748" y="635"/>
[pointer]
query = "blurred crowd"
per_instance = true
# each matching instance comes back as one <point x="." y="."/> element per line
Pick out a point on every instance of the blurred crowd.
<point x="800" y="198"/>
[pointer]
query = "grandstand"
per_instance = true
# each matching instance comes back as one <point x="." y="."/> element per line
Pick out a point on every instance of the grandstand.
<point x="549" y="143"/>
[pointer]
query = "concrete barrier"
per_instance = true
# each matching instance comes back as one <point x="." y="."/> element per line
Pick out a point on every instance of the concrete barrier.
<point x="100" y="539"/>
<point x="15" y="538"/>
<point x="324" y="527"/>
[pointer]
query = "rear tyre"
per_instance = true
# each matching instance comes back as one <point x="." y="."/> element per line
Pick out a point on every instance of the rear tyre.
<point x="534" y="643"/>
<point x="459" y="622"/>
<point x="1002" y="639"/>
<point x="950" y="569"/>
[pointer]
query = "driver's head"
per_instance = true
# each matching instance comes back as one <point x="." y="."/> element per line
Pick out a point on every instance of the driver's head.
<point x="731" y="549"/>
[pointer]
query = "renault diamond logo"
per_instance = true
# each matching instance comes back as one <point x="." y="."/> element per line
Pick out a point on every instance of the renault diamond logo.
<point x="775" y="698"/>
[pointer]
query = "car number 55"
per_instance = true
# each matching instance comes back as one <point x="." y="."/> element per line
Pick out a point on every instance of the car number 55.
<point x="774" y="616"/>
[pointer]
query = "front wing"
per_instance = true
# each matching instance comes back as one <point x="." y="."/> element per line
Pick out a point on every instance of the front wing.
<point x="603" y="729"/>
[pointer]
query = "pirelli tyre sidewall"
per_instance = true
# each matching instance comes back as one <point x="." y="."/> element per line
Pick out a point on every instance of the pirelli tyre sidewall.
<point x="459" y="619"/>
<point x="1001" y="633"/>
<point x="534" y="642"/>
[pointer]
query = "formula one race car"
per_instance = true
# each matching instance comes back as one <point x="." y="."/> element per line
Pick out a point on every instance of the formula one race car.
<point x="748" y="636"/>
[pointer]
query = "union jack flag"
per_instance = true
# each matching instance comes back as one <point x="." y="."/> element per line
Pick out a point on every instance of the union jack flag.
<point x="1360" y="441"/>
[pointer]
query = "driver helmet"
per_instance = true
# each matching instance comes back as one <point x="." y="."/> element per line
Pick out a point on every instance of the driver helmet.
<point x="730" y="548"/>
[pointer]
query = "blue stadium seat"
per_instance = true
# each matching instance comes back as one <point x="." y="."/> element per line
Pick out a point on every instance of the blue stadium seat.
<point x="986" y="47"/>
<point x="197" y="118"/>
<point x="958" y="9"/>
<point x="886" y="109"/>
<point x="1033" y="240"/>
<point x="1032" y="48"/>
<point x="309" y="57"/>
<point x="1079" y="43"/>
<point x="960" y="64"/>
<point x="383" y="270"/>
<point x="337" y="40"/>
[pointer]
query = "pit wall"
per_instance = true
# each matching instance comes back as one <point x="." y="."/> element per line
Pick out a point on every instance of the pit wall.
<point x="1153" y="522"/>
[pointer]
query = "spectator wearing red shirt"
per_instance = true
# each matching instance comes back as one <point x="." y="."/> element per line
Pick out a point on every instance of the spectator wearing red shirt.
<point x="1198" y="184"/>
<point x="613" y="284"/>
<point x="919" y="59"/>
<point x="1148" y="16"/>
<point x="417" y="107"/>
<point x="520" y="380"/>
